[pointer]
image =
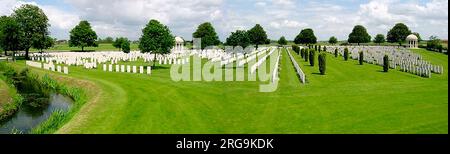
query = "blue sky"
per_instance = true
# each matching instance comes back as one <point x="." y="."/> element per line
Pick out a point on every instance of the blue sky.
<point x="279" y="17"/>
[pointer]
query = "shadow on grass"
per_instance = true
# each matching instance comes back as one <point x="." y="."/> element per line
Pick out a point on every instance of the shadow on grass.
<point x="159" y="67"/>
<point x="381" y="71"/>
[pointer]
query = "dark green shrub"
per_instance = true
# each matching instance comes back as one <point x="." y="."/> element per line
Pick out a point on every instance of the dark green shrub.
<point x="322" y="63"/>
<point x="312" y="55"/>
<point x="296" y="49"/>
<point x="386" y="63"/>
<point x="336" y="53"/>
<point x="361" y="58"/>
<point x="126" y="47"/>
<point x="325" y="48"/>
<point x="302" y="52"/>
<point x="346" y="54"/>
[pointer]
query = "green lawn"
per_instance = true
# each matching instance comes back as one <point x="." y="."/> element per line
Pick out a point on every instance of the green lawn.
<point x="350" y="99"/>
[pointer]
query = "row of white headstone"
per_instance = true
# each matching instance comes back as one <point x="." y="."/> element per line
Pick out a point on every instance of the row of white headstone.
<point x="252" y="56"/>
<point x="80" y="59"/>
<point x="399" y="58"/>
<point x="299" y="71"/>
<point x="126" y="68"/>
<point x="260" y="61"/>
<point x="229" y="56"/>
<point x="417" y="70"/>
<point x="276" y="70"/>
<point x="170" y="61"/>
<point x="50" y="66"/>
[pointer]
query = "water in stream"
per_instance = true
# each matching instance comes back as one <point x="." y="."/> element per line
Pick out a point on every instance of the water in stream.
<point x="28" y="117"/>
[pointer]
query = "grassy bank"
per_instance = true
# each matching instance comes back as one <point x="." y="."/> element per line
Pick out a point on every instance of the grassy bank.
<point x="10" y="99"/>
<point x="43" y="83"/>
<point x="59" y="118"/>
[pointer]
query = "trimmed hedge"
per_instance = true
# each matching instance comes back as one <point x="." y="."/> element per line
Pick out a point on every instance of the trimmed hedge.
<point x="296" y="49"/>
<point x="312" y="55"/>
<point x="361" y="58"/>
<point x="322" y="63"/>
<point x="302" y="52"/>
<point x="386" y="63"/>
<point x="336" y="53"/>
<point x="346" y="54"/>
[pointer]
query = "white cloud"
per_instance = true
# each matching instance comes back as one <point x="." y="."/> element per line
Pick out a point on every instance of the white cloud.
<point x="278" y="17"/>
<point x="60" y="19"/>
<point x="283" y="2"/>
<point x="427" y="19"/>
<point x="288" y="24"/>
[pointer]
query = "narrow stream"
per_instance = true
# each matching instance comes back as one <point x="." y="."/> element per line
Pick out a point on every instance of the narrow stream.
<point x="28" y="117"/>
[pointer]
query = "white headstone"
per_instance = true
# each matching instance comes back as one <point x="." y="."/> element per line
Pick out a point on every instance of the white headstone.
<point x="149" y="70"/>
<point x="66" y="70"/>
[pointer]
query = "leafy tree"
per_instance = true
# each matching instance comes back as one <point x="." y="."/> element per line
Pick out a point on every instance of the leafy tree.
<point x="118" y="43"/>
<point x="10" y="35"/>
<point x="361" y="58"/>
<point x="208" y="35"/>
<point x="379" y="38"/>
<point x="398" y="33"/>
<point x="282" y="41"/>
<point x="322" y="63"/>
<point x="82" y="36"/>
<point x="238" y="38"/>
<point x="346" y="54"/>
<point x="386" y="63"/>
<point x="332" y="40"/>
<point x="267" y="41"/>
<point x="312" y="54"/>
<point x="434" y="43"/>
<point x="33" y="24"/>
<point x="46" y="43"/>
<point x="359" y="35"/>
<point x="419" y="39"/>
<point x="126" y="47"/>
<point x="257" y="35"/>
<point x="306" y="36"/>
<point x="108" y="40"/>
<point x="156" y="38"/>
